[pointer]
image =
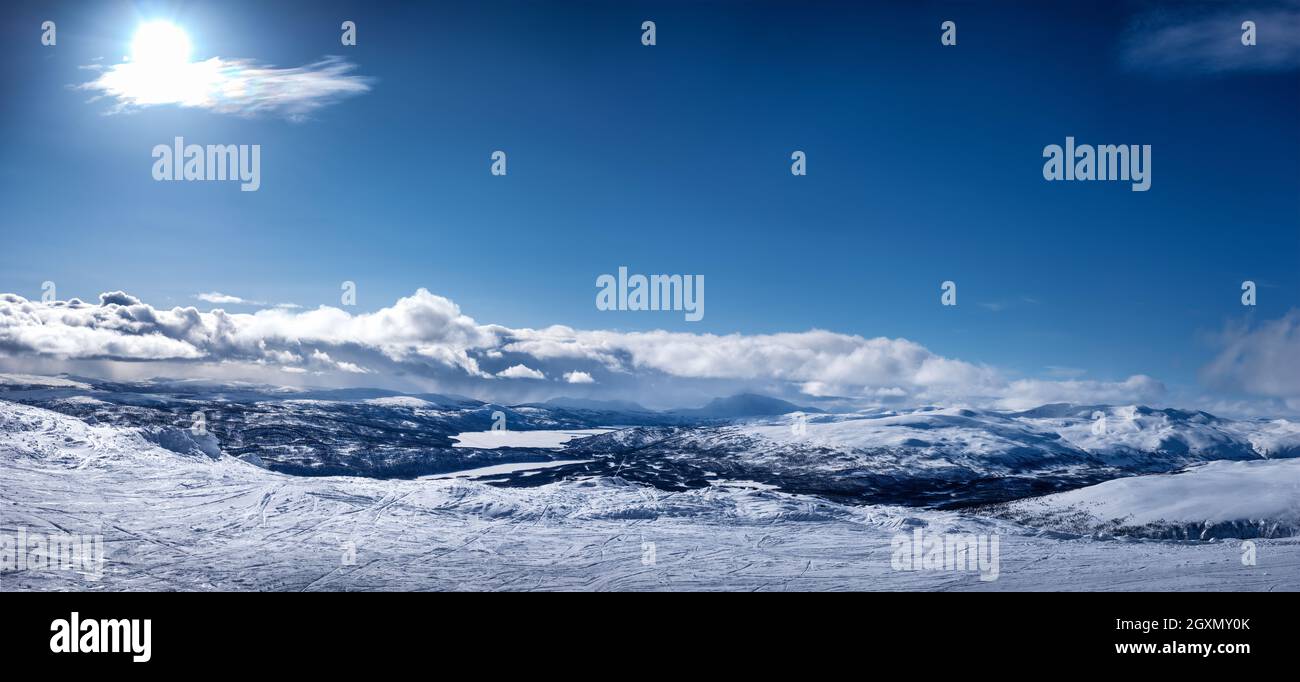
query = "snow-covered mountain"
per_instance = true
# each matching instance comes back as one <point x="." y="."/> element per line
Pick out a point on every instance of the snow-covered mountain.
<point x="1214" y="500"/>
<point x="180" y="519"/>
<point x="744" y="405"/>
<point x="937" y="457"/>
<point x="947" y="458"/>
<point x="364" y="432"/>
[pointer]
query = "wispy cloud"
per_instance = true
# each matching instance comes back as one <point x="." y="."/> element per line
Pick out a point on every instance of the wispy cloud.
<point x="1189" y="39"/>
<point x="239" y="87"/>
<point x="999" y="306"/>
<point x="1059" y="372"/>
<point x="1261" y="359"/>
<point x="218" y="298"/>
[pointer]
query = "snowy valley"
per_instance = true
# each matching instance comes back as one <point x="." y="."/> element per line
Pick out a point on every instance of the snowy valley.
<point x="365" y="492"/>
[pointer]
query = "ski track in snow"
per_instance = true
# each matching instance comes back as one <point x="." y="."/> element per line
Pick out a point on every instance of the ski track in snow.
<point x="178" y="522"/>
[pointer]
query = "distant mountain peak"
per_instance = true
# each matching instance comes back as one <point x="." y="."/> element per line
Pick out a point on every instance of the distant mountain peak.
<point x="596" y="405"/>
<point x="746" y="405"/>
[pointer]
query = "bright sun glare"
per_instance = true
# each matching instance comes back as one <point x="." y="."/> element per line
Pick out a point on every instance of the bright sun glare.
<point x="159" y="70"/>
<point x="160" y="43"/>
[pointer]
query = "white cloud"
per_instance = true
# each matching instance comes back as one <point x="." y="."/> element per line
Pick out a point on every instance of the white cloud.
<point x="838" y="364"/>
<point x="323" y="360"/>
<point x="1028" y="393"/>
<point x="427" y="337"/>
<point x="118" y="297"/>
<point x="226" y="299"/>
<point x="229" y="86"/>
<point x="422" y="328"/>
<point x="520" y="372"/>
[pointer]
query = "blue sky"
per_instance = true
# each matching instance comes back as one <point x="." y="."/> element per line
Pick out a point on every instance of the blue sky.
<point x="924" y="165"/>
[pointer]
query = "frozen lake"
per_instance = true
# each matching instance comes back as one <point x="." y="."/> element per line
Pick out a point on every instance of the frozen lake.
<point x="552" y="439"/>
<point x="502" y="469"/>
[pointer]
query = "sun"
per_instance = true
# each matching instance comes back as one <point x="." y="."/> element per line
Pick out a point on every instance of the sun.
<point x="161" y="44"/>
<point x="159" y="70"/>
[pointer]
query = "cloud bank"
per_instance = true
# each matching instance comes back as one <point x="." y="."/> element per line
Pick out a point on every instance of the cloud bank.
<point x="426" y="338"/>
